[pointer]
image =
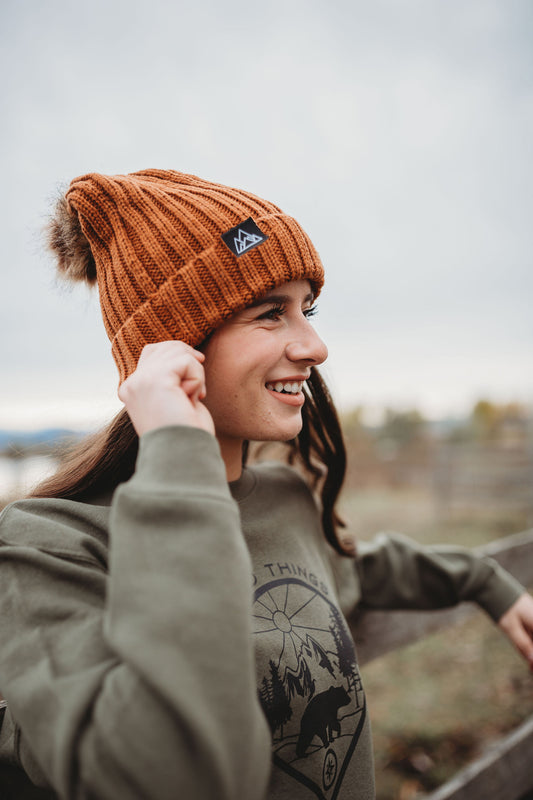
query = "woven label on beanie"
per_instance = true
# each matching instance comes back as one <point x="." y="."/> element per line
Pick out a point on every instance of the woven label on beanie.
<point x="244" y="237"/>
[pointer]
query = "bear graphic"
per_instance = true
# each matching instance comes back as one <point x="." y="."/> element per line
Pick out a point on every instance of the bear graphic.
<point x="320" y="718"/>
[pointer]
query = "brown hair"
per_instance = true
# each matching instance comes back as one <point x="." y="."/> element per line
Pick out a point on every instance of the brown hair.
<point x="101" y="461"/>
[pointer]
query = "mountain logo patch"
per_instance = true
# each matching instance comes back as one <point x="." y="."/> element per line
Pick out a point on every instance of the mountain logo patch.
<point x="244" y="237"/>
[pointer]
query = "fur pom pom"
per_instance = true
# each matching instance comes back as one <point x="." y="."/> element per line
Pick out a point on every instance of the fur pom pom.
<point x="67" y="241"/>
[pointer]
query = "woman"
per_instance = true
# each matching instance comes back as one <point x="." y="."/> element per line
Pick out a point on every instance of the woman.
<point x="173" y="622"/>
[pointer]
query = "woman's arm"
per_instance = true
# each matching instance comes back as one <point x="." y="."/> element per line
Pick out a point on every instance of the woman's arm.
<point x="396" y="572"/>
<point x="142" y="683"/>
<point x="138" y="682"/>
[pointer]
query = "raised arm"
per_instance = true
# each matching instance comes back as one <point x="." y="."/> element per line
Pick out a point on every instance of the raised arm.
<point x="137" y="681"/>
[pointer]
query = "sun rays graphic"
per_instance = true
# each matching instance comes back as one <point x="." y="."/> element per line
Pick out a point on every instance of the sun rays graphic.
<point x="287" y="610"/>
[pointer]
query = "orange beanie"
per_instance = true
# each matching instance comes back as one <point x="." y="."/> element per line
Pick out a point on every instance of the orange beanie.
<point x="174" y="255"/>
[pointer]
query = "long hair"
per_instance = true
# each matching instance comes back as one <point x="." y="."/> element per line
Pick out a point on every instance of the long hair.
<point x="103" y="460"/>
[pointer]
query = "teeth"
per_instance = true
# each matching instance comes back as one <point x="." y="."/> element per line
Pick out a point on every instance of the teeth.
<point x="291" y="387"/>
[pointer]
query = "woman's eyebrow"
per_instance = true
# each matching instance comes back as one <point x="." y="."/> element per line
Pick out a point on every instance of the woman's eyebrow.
<point x="279" y="299"/>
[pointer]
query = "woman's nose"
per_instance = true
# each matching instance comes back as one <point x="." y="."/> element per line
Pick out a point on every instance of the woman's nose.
<point x="307" y="346"/>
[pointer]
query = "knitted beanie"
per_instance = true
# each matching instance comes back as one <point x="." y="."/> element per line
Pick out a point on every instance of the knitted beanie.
<point x="174" y="255"/>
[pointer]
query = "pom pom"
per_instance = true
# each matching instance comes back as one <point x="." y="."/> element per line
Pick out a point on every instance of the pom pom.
<point x="67" y="241"/>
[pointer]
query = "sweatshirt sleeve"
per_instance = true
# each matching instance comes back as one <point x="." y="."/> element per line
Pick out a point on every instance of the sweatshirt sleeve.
<point x="139" y="681"/>
<point x="397" y="573"/>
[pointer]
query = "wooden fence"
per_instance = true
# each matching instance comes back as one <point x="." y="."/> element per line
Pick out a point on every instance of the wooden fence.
<point x="505" y="771"/>
<point x="484" y="476"/>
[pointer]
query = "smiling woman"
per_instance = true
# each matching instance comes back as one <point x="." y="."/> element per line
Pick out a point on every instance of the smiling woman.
<point x="259" y="395"/>
<point x="173" y="619"/>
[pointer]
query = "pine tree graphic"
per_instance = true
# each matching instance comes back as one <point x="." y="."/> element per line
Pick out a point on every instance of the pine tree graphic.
<point x="274" y="700"/>
<point x="345" y="652"/>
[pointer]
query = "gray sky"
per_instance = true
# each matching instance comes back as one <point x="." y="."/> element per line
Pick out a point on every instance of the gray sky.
<point x="398" y="132"/>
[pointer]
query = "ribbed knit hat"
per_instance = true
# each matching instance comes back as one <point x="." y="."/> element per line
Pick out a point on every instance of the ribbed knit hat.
<point x="174" y="255"/>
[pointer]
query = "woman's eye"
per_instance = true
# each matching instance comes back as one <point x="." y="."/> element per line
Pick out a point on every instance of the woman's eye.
<point x="274" y="313"/>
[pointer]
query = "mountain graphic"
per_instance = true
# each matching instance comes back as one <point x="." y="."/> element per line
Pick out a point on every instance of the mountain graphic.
<point x="300" y="681"/>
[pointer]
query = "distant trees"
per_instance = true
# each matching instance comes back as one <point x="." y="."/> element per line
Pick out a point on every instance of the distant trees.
<point x="492" y="421"/>
<point x="486" y="420"/>
<point x="403" y="427"/>
<point x="402" y="447"/>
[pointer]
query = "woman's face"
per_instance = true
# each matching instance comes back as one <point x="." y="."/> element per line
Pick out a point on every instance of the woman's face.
<point x="256" y="363"/>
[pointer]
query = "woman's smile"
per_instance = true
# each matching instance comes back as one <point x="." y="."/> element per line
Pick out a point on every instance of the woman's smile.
<point x="288" y="390"/>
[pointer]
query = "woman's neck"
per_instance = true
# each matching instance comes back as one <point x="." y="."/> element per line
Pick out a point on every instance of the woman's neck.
<point x="231" y="450"/>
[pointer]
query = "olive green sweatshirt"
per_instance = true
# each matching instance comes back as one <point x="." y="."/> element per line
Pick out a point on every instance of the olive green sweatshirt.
<point x="187" y="639"/>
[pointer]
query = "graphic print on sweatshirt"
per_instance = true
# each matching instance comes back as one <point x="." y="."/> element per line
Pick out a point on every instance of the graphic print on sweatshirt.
<point x="309" y="684"/>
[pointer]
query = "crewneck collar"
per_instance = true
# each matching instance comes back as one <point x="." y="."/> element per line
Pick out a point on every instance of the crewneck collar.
<point x="243" y="486"/>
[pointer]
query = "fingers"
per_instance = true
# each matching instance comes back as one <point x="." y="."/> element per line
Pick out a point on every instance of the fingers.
<point x="168" y="363"/>
<point x="524" y="645"/>
<point x="517" y="624"/>
<point x="192" y="379"/>
<point x="166" y="388"/>
<point x="170" y="347"/>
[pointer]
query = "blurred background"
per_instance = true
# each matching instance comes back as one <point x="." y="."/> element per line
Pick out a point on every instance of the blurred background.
<point x="399" y="134"/>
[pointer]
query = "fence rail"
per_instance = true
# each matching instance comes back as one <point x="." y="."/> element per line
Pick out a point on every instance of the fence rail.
<point x="505" y="771"/>
<point x="483" y="476"/>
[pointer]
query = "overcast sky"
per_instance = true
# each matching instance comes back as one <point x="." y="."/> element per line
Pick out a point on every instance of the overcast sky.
<point x="398" y="132"/>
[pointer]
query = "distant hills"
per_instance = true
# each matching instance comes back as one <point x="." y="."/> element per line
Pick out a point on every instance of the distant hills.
<point x="43" y="438"/>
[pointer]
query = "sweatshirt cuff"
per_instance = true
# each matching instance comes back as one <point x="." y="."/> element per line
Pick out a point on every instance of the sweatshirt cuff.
<point x="500" y="591"/>
<point x="180" y="458"/>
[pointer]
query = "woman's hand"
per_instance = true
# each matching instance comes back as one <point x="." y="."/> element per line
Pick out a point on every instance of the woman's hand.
<point x="517" y="624"/>
<point x="167" y="388"/>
